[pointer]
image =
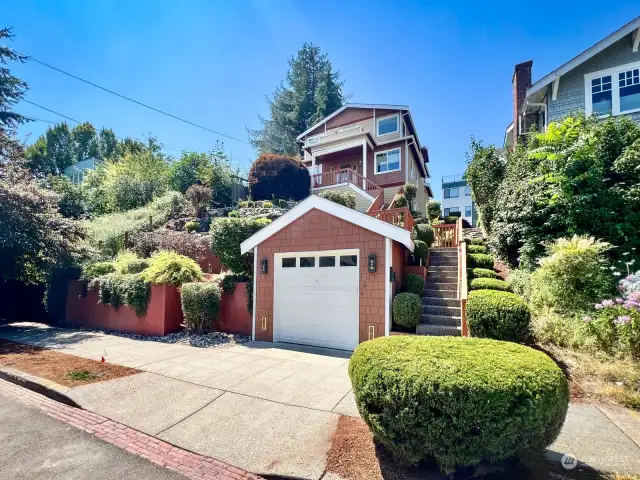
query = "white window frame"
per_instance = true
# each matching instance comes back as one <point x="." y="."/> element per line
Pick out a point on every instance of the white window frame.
<point x="318" y="136"/>
<point x="615" y="89"/>
<point x="375" y="161"/>
<point x="452" y="188"/>
<point x="378" y="120"/>
<point x="451" y="210"/>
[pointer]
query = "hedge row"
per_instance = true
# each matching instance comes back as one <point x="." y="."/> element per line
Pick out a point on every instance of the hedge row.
<point x="489" y="284"/>
<point x="498" y="315"/>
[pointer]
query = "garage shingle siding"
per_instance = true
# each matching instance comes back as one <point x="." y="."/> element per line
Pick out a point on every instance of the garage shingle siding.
<point x="314" y="231"/>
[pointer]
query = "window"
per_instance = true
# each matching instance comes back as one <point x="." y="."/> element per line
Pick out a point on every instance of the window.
<point x="348" y="260"/>
<point x="388" y="161"/>
<point x="451" y="192"/>
<point x="289" y="262"/>
<point x="327" y="261"/>
<point x="314" y="139"/>
<point x="450" y="210"/>
<point x="629" y="83"/>
<point x="467" y="190"/>
<point x="387" y="125"/>
<point x="467" y="211"/>
<point x="613" y="91"/>
<point x="307" y="262"/>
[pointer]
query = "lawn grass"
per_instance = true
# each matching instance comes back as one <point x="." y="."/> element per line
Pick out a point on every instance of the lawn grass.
<point x="81" y="375"/>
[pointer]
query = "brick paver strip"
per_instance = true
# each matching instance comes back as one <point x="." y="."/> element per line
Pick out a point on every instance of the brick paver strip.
<point x="161" y="453"/>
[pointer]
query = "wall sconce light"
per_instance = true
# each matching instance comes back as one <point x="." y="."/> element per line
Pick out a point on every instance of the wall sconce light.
<point x="264" y="266"/>
<point x="372" y="332"/>
<point x="392" y="275"/>
<point x="371" y="264"/>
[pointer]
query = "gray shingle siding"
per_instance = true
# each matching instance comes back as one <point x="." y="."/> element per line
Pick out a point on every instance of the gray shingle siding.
<point x="571" y="90"/>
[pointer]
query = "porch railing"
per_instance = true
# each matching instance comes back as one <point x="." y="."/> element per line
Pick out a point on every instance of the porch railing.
<point x="400" y="217"/>
<point x="445" y="235"/>
<point x="462" y="276"/>
<point x="345" y="175"/>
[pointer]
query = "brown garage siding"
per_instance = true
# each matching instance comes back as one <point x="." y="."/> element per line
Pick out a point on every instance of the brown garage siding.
<point x="317" y="230"/>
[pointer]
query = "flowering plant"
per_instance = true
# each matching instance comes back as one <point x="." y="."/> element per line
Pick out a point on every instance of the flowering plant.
<point x="615" y="324"/>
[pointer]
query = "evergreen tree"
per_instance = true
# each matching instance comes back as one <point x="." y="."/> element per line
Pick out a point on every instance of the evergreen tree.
<point x="11" y="88"/>
<point x="313" y="90"/>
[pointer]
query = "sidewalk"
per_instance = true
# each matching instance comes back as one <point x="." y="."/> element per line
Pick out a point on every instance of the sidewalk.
<point x="271" y="409"/>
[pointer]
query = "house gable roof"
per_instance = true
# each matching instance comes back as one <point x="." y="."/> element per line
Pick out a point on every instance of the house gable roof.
<point x="633" y="25"/>
<point x="314" y="202"/>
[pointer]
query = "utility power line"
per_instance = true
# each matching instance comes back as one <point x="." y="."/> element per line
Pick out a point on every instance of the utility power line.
<point x="138" y="102"/>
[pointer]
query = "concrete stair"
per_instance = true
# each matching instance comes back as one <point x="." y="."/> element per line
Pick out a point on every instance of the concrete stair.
<point x="441" y="313"/>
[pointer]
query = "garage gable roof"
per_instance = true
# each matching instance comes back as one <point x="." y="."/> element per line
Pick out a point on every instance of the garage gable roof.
<point x="313" y="201"/>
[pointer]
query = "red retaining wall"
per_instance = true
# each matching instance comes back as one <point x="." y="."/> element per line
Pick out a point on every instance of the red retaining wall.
<point x="416" y="270"/>
<point x="164" y="312"/>
<point x="234" y="317"/>
<point x="210" y="260"/>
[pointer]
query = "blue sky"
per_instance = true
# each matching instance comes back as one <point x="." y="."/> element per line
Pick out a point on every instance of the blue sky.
<point x="213" y="62"/>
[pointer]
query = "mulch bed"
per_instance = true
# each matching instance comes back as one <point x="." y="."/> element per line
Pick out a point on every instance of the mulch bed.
<point x="57" y="366"/>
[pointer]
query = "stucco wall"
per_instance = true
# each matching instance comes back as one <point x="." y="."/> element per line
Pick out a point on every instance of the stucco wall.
<point x="571" y="91"/>
<point x="315" y="231"/>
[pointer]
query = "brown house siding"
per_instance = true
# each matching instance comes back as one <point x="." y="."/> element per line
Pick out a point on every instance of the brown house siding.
<point x="317" y="230"/>
<point x="397" y="263"/>
<point x="392" y="178"/>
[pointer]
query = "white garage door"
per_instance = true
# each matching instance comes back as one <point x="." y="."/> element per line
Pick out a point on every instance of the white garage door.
<point x="317" y="298"/>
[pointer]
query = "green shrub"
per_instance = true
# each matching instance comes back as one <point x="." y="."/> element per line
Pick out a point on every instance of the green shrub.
<point x="243" y="204"/>
<point x="410" y="191"/>
<point x="226" y="236"/>
<point x="128" y="262"/>
<point x="520" y="282"/>
<point x="282" y="203"/>
<point x="615" y="327"/>
<point x="200" y="305"/>
<point x="94" y="270"/>
<point x="195" y="246"/>
<point x="573" y="275"/>
<point x="424" y="232"/>
<point x="400" y="201"/>
<point x="171" y="268"/>
<point x="477" y="249"/>
<point x="498" y="315"/>
<point x="407" y="309"/>
<point x="278" y="176"/>
<point x="200" y="198"/>
<point x="343" y="198"/>
<point x="489" y="284"/>
<point x="460" y="401"/>
<point x="548" y="327"/>
<point x="192" y="226"/>
<point x="477" y="241"/>
<point x="131" y="290"/>
<point x="267" y="204"/>
<point x="234" y="214"/>
<point x="421" y="250"/>
<point x="480" y="260"/>
<point x="434" y="208"/>
<point x="481" y="273"/>
<point x="413" y="284"/>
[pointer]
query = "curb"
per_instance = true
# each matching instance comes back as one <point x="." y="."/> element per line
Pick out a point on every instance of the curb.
<point x="49" y="389"/>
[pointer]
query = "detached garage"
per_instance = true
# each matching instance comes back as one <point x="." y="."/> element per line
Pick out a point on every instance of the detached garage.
<point x="324" y="275"/>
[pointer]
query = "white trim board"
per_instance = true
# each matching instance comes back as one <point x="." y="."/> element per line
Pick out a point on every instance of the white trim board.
<point x="375" y="161"/>
<point x="388" y="264"/>
<point x="313" y="201"/>
<point x="615" y="88"/>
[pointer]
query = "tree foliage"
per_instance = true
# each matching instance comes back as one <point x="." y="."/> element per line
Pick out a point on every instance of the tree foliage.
<point x="312" y="91"/>
<point x="580" y="177"/>
<point x="278" y="176"/>
<point x="12" y="89"/>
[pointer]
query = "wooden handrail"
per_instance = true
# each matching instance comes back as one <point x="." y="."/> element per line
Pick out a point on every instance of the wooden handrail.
<point x="446" y="235"/>
<point x="400" y="217"/>
<point x="462" y="276"/>
<point x="345" y="175"/>
<point x="377" y="203"/>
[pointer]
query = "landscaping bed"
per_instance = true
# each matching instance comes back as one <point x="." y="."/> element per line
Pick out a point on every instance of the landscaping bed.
<point x="67" y="370"/>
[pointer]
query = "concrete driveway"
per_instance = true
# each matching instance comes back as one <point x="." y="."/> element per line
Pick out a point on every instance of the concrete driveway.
<point x="267" y="408"/>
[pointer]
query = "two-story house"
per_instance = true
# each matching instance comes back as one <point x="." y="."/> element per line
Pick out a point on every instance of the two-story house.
<point x="603" y="80"/>
<point x="369" y="150"/>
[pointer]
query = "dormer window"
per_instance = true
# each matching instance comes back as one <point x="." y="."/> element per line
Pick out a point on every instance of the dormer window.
<point x="387" y="125"/>
<point x="614" y="91"/>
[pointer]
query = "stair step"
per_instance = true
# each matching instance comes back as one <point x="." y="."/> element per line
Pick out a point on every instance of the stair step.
<point x="439" y="281"/>
<point x="443" y="301"/>
<point x="442" y="268"/>
<point x="442" y="274"/>
<point x="440" y="320"/>
<point x="430" y="289"/>
<point x="443" y="261"/>
<point x="441" y="310"/>
<point x="449" y="250"/>
<point x="438" y="330"/>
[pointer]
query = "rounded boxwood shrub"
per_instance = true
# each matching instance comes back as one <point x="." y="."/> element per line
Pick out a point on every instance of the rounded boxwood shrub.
<point x="489" y="284"/>
<point x="413" y="284"/>
<point x="477" y="249"/>
<point x="421" y="250"/>
<point x="407" y="309"/>
<point x="171" y="268"/>
<point x="192" y="226"/>
<point x="460" y="401"/>
<point x="200" y="305"/>
<point x="477" y="241"/>
<point x="480" y="260"/>
<point x="498" y="315"/>
<point x="345" y="199"/>
<point x="424" y="233"/>
<point x="481" y="273"/>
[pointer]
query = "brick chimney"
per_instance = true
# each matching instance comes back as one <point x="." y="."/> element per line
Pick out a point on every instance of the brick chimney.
<point x="521" y="82"/>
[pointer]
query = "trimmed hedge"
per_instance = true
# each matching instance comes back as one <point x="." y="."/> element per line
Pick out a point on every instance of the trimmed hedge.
<point x="498" y="315"/>
<point x="489" y="284"/>
<point x="345" y="199"/>
<point x="480" y="260"/>
<point x="413" y="283"/>
<point x="477" y="249"/>
<point x="129" y="289"/>
<point x="407" y="309"/>
<point x="421" y="250"/>
<point x="172" y="269"/>
<point x="200" y="305"/>
<point x="477" y="241"/>
<point x="481" y="273"/>
<point x="461" y="401"/>
<point x="424" y="233"/>
<point x="97" y="269"/>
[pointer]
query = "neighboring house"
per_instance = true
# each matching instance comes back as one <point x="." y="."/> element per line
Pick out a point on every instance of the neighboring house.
<point x="370" y="151"/>
<point x="603" y="80"/>
<point x="456" y="197"/>
<point x="76" y="172"/>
